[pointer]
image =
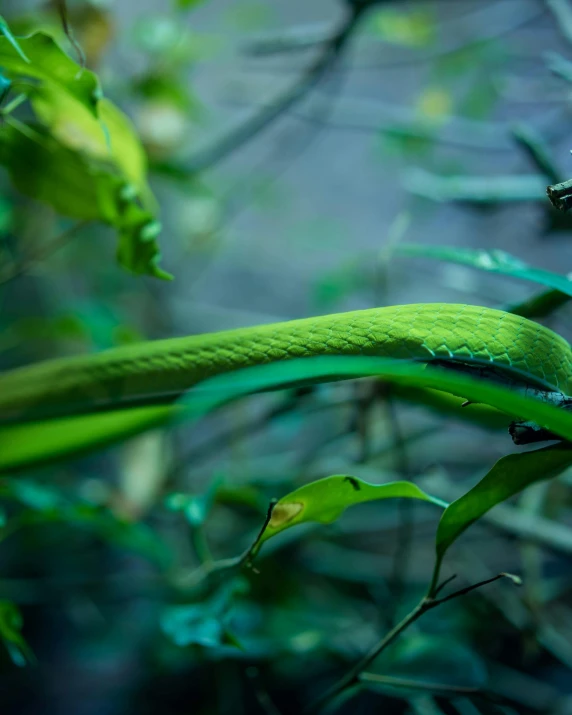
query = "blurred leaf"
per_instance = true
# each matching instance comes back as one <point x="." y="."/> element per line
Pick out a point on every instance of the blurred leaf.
<point x="45" y="505"/>
<point x="91" y="165"/>
<point x="205" y="623"/>
<point x="325" y="500"/>
<point x="49" y="64"/>
<point x="249" y="16"/>
<point x="188" y="4"/>
<point x="403" y="142"/>
<point x="22" y="446"/>
<point x="10" y="634"/>
<point x="540" y="305"/>
<point x="434" y="105"/>
<point x="195" y="507"/>
<point x="480" y="100"/>
<point x="475" y="189"/>
<point x="415" y="28"/>
<point x="331" y="287"/>
<point x="111" y="138"/>
<point x="510" y="475"/>
<point x="490" y="261"/>
<point x="83" y="188"/>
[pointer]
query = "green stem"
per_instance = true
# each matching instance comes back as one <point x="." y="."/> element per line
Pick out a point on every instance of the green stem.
<point x="352" y="677"/>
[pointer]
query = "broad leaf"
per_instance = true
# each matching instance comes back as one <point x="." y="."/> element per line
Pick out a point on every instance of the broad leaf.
<point x="325" y="500"/>
<point x="85" y="159"/>
<point x="39" y="58"/>
<point x="491" y="261"/>
<point x="510" y="475"/>
<point x="80" y="187"/>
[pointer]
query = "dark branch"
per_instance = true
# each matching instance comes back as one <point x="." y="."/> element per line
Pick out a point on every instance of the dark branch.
<point x="242" y="134"/>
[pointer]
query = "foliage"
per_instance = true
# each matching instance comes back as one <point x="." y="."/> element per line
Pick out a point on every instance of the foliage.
<point x="141" y="541"/>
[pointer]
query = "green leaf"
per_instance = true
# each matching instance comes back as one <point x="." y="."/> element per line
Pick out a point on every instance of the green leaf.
<point x="510" y="475"/>
<point x="196" y="507"/>
<point x="188" y="4"/>
<point x="86" y="159"/>
<point x="83" y="188"/>
<point x="205" y="623"/>
<point x="40" y="58"/>
<point x="109" y="138"/>
<point x="490" y="261"/>
<point x="10" y="634"/>
<point x="325" y="500"/>
<point x="25" y="445"/>
<point x="475" y="189"/>
<point x="45" y="505"/>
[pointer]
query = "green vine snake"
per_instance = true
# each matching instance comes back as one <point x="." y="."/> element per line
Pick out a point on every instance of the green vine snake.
<point x="158" y="372"/>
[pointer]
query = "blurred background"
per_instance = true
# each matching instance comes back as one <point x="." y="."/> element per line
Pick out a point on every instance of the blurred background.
<point x="292" y="148"/>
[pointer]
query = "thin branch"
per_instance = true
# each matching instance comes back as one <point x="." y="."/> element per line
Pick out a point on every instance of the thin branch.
<point x="63" y="13"/>
<point x="463" y="591"/>
<point x="446" y="582"/>
<point x="416" y="684"/>
<point x="210" y="568"/>
<point x="23" y="266"/>
<point x="494" y="23"/>
<point x="352" y="677"/>
<point x="241" y="135"/>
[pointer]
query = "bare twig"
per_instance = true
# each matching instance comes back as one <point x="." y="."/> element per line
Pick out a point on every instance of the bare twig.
<point x="427" y="603"/>
<point x="63" y="13"/>
<point x="242" y="134"/>
<point x="23" y="266"/>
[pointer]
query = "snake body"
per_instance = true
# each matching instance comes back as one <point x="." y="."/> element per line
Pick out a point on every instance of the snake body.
<point x="159" y="371"/>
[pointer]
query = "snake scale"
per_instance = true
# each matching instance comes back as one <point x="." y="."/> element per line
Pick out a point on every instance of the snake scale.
<point x="159" y="371"/>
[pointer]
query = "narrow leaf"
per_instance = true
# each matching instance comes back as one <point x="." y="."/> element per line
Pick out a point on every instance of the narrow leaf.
<point x="25" y="445"/>
<point x="490" y="261"/>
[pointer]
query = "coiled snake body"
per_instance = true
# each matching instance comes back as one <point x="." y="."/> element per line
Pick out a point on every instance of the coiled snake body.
<point x="159" y="371"/>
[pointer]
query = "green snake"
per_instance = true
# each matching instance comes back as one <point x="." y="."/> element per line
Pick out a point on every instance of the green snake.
<point x="158" y="372"/>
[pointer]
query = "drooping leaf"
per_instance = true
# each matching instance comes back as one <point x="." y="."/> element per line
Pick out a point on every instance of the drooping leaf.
<point x="109" y="138"/>
<point x="82" y="188"/>
<point x="84" y="157"/>
<point x="510" y="475"/>
<point x="326" y="499"/>
<point x="490" y="261"/>
<point x="40" y="59"/>
<point x="24" y="445"/>
<point x="10" y="634"/>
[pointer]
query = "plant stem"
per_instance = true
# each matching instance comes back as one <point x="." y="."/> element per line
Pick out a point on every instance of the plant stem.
<point x="425" y="604"/>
